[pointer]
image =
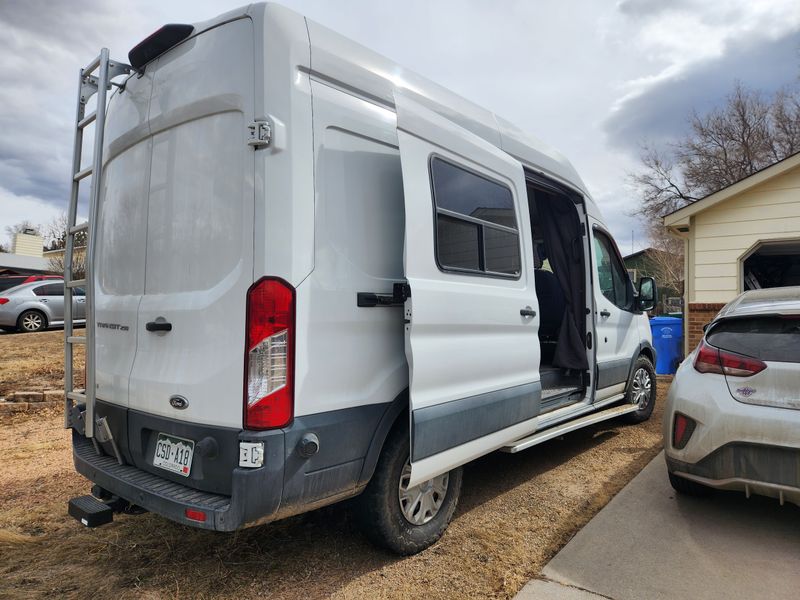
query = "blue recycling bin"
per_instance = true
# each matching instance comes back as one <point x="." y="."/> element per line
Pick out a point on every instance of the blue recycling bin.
<point x="668" y="342"/>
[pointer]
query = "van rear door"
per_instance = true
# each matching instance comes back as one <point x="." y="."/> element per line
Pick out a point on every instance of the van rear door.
<point x="471" y="326"/>
<point x="199" y="244"/>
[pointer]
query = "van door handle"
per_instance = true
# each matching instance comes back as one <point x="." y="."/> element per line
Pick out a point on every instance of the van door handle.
<point x="605" y="313"/>
<point x="527" y="312"/>
<point x="158" y="326"/>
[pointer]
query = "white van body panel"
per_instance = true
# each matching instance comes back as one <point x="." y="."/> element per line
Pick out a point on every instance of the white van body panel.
<point x="352" y="356"/>
<point x="466" y="341"/>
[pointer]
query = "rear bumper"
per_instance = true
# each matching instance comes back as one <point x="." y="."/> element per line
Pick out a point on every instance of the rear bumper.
<point x="252" y="499"/>
<point x="750" y="468"/>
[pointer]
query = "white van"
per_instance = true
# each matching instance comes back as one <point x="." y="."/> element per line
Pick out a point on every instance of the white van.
<point x="321" y="276"/>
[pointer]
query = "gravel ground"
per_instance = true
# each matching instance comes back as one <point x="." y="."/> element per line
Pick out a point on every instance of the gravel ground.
<point x="34" y="362"/>
<point x="516" y="512"/>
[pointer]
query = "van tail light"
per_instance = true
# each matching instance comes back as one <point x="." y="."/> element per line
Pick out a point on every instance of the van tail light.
<point x="714" y="360"/>
<point x="682" y="430"/>
<point x="195" y="515"/>
<point x="269" y="358"/>
<point x="4" y="300"/>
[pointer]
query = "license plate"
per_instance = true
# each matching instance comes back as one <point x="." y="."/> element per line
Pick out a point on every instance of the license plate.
<point x="173" y="454"/>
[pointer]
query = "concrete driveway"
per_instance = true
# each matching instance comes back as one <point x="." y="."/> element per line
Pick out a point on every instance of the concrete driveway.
<point x="649" y="542"/>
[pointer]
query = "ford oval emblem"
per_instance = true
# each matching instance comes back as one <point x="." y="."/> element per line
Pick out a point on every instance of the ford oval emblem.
<point x="178" y="402"/>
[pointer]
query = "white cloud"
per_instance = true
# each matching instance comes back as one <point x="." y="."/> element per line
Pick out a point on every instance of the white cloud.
<point x="15" y="209"/>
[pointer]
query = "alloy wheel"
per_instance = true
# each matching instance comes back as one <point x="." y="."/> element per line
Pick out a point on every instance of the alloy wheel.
<point x="641" y="388"/>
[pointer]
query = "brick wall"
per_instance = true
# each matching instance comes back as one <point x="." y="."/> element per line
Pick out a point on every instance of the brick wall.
<point x="698" y="314"/>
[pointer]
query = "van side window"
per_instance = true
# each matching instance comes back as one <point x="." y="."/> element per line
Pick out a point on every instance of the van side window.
<point x="611" y="274"/>
<point x="476" y="225"/>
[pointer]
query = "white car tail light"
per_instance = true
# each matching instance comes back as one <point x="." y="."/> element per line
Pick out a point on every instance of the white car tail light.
<point x="714" y="360"/>
<point x="269" y="366"/>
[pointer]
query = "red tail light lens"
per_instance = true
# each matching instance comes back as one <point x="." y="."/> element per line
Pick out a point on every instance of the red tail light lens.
<point x="4" y="300"/>
<point x="682" y="430"/>
<point x="195" y="515"/>
<point x="714" y="360"/>
<point x="269" y="359"/>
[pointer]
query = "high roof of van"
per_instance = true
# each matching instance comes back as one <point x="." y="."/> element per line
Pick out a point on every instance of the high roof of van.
<point x="341" y="62"/>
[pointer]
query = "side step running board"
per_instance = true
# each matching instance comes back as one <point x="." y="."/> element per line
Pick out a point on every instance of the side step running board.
<point x="559" y="430"/>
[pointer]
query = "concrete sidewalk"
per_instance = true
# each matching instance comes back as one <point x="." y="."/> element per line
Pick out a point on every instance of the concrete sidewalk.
<point x="648" y="542"/>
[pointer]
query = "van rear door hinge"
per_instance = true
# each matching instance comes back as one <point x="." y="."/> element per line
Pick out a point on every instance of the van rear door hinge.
<point x="260" y="134"/>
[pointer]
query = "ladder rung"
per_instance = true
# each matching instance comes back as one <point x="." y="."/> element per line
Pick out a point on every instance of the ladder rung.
<point x="76" y="339"/>
<point x="87" y="120"/>
<point x="78" y="228"/>
<point x="77" y="396"/>
<point x="81" y="174"/>
<point x="76" y="283"/>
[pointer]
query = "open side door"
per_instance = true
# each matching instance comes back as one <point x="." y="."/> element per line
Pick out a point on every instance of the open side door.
<point x="471" y="324"/>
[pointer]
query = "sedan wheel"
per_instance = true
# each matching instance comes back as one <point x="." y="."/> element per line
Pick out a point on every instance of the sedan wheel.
<point x="32" y="321"/>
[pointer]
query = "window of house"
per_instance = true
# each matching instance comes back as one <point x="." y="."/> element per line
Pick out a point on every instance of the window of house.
<point x="611" y="273"/>
<point x="476" y="225"/>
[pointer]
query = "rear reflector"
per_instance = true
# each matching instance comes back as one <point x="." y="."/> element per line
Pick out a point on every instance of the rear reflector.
<point x="3" y="300"/>
<point x="158" y="43"/>
<point x="195" y="515"/>
<point x="269" y="359"/>
<point x="682" y="430"/>
<point x="722" y="362"/>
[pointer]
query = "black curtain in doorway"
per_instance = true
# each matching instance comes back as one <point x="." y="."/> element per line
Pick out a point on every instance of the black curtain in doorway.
<point x="561" y="227"/>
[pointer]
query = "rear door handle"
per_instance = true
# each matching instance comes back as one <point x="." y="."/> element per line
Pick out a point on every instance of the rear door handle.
<point x="527" y="312"/>
<point x="158" y="326"/>
<point x="605" y="313"/>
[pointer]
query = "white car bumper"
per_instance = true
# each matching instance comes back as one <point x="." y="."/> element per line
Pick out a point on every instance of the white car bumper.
<point x="754" y="449"/>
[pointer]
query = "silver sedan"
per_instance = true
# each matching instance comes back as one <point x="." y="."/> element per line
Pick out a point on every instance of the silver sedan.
<point x="37" y="306"/>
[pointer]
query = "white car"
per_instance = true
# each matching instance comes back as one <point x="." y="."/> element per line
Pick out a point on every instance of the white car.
<point x="732" y="419"/>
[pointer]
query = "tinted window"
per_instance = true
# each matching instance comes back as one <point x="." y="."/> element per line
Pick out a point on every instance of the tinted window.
<point x="51" y="289"/>
<point x="458" y="243"/>
<point x="476" y="226"/>
<point x="612" y="277"/>
<point x="9" y="282"/>
<point x="766" y="338"/>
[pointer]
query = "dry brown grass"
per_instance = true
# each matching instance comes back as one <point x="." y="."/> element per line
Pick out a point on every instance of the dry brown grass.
<point x="516" y="511"/>
<point x="35" y="362"/>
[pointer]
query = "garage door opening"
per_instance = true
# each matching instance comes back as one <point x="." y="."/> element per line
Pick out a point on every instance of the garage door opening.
<point x="772" y="264"/>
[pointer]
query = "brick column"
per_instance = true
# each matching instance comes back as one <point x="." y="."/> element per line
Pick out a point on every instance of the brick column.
<point x="697" y="315"/>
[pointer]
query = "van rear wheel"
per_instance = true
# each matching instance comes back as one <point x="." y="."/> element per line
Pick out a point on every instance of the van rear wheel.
<point x="404" y="519"/>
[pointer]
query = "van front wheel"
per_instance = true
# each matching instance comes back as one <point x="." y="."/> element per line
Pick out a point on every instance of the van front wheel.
<point x="406" y="519"/>
<point x="641" y="390"/>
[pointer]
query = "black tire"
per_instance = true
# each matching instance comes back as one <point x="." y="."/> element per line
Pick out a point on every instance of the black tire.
<point x="642" y="372"/>
<point x="378" y="509"/>
<point x="31" y="321"/>
<point x="687" y="487"/>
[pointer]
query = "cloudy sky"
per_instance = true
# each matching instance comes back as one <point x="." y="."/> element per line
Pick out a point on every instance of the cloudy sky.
<point x="592" y="78"/>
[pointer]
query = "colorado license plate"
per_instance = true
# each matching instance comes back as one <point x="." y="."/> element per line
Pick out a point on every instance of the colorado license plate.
<point x="173" y="454"/>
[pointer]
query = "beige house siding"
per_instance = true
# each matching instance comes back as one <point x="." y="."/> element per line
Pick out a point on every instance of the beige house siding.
<point x="26" y="244"/>
<point x="723" y="234"/>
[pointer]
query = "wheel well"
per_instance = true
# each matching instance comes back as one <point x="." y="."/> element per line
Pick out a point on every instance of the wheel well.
<point x="648" y="352"/>
<point x="398" y="409"/>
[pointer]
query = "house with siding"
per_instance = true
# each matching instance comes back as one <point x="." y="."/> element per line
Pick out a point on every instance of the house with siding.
<point x="745" y="236"/>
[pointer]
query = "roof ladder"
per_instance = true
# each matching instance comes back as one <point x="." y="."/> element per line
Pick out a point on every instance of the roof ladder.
<point x="95" y="78"/>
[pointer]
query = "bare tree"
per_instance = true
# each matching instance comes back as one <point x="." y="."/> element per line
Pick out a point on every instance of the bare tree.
<point x="22" y="227"/>
<point x="748" y="133"/>
<point x="56" y="239"/>
<point x="666" y="257"/>
<point x="55" y="234"/>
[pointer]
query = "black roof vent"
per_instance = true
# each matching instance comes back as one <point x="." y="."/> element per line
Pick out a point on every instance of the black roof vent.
<point x="157" y="43"/>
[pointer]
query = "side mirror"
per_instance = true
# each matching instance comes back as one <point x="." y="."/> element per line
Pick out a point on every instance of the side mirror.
<point x="647" y="296"/>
